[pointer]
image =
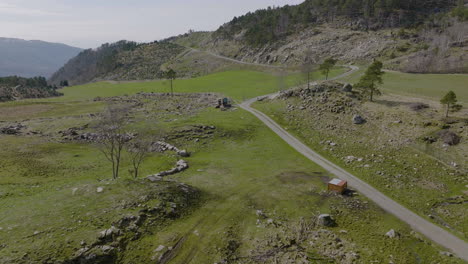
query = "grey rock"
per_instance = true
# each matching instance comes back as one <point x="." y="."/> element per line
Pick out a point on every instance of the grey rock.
<point x="347" y="88"/>
<point x="183" y="153"/>
<point x="109" y="233"/>
<point x="358" y="120"/>
<point x="391" y="234"/>
<point x="325" y="220"/>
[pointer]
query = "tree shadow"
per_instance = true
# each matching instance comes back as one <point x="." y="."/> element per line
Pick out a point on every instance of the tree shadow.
<point x="393" y="103"/>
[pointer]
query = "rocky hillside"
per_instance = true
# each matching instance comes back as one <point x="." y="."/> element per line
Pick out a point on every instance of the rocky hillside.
<point x="123" y="60"/>
<point x="13" y="88"/>
<point x="32" y="58"/>
<point x="408" y="34"/>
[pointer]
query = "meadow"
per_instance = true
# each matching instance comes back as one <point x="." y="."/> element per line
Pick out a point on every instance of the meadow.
<point x="50" y="204"/>
<point x="428" y="86"/>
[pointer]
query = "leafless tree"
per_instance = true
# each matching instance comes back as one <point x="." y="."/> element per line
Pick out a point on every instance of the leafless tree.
<point x="309" y="65"/>
<point x="139" y="150"/>
<point x="112" y="134"/>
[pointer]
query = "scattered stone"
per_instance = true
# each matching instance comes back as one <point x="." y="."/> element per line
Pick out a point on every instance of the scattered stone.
<point x="392" y="234"/>
<point x="154" y="178"/>
<point x="160" y="248"/>
<point x="99" y="189"/>
<point x="183" y="153"/>
<point x="74" y="190"/>
<point x="12" y="130"/>
<point x="260" y="213"/>
<point x="181" y="165"/>
<point x="358" y="120"/>
<point x="110" y="233"/>
<point x="325" y="220"/>
<point x="446" y="253"/>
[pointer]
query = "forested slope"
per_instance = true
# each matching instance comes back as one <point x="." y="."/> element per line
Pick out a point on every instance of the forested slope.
<point x="123" y="60"/>
<point x="13" y="88"/>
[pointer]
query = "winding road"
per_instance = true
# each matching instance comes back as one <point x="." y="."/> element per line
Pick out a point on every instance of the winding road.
<point x="418" y="223"/>
<point x="428" y="229"/>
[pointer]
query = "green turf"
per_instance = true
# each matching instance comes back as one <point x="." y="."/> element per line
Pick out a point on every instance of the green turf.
<point x="434" y="86"/>
<point x="239" y="85"/>
<point x="430" y="86"/>
<point x="243" y="168"/>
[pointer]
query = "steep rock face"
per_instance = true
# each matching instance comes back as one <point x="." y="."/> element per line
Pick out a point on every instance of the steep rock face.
<point x="122" y="60"/>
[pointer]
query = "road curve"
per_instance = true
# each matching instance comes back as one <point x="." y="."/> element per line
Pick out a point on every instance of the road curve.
<point x="431" y="231"/>
<point x="236" y="61"/>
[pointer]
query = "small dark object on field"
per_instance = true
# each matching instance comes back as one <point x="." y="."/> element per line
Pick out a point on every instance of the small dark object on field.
<point x="418" y="106"/>
<point x="449" y="137"/>
<point x="224" y="103"/>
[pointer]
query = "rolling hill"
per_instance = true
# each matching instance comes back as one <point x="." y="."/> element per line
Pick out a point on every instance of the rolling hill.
<point x="30" y="58"/>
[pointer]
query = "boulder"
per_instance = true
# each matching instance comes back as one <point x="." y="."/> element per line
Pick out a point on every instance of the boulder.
<point x="325" y="220"/>
<point x="109" y="234"/>
<point x="347" y="88"/>
<point x="358" y="120"/>
<point x="391" y="234"/>
<point x="183" y="153"/>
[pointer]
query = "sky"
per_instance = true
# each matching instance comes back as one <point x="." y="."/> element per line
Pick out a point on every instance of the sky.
<point x="90" y="23"/>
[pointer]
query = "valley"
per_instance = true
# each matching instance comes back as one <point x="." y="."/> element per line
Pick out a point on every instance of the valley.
<point x="221" y="146"/>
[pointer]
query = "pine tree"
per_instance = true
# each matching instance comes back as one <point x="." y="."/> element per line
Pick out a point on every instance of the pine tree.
<point x="449" y="100"/>
<point x="371" y="79"/>
<point x="171" y="75"/>
<point x="326" y="66"/>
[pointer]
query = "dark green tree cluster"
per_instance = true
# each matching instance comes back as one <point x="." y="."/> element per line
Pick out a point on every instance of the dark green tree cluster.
<point x="18" y="87"/>
<point x="272" y="24"/>
<point x="371" y="79"/>
<point x="326" y="66"/>
<point x="450" y="102"/>
<point x="64" y="83"/>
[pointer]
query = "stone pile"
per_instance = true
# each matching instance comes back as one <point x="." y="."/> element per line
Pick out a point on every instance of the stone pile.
<point x="181" y="165"/>
<point x="12" y="129"/>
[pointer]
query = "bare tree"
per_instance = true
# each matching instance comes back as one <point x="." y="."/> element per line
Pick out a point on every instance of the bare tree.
<point x="139" y="150"/>
<point x="112" y="134"/>
<point x="309" y="65"/>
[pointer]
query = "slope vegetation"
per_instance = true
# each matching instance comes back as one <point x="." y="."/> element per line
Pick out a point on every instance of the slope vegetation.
<point x="416" y="36"/>
<point x="123" y="60"/>
<point x="13" y="88"/>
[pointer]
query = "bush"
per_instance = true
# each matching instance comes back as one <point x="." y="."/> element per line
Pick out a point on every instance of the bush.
<point x="418" y="106"/>
<point x="449" y="137"/>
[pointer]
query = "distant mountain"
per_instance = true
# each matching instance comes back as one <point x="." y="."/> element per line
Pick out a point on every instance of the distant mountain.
<point x="29" y="58"/>
<point x="123" y="60"/>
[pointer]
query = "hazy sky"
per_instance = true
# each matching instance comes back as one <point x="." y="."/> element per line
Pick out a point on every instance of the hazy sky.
<point x="89" y="23"/>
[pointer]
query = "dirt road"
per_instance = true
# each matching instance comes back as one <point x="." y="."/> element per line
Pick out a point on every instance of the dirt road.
<point x="431" y="231"/>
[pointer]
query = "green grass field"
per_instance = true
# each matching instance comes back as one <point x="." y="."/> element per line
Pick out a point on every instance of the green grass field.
<point x="243" y="168"/>
<point x="239" y="85"/>
<point x="429" y="86"/>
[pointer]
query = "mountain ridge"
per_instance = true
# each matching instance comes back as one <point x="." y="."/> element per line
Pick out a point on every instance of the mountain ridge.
<point x="30" y="58"/>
